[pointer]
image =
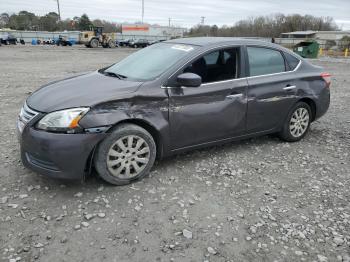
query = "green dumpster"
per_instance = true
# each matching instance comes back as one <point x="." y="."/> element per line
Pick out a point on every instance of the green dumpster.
<point x="307" y="49"/>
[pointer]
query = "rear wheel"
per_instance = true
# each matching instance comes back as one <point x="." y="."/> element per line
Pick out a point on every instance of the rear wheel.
<point x="94" y="43"/>
<point x="297" y="123"/>
<point x="126" y="155"/>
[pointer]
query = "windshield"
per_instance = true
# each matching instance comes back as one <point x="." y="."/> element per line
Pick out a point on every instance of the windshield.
<point x="150" y="62"/>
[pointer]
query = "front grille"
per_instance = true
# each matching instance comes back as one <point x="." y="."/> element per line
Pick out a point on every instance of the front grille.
<point x="27" y="114"/>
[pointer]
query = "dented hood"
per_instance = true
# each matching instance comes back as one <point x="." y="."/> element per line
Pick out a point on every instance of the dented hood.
<point x="80" y="91"/>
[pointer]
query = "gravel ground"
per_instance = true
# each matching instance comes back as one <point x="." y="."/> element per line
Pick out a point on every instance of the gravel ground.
<point x="255" y="200"/>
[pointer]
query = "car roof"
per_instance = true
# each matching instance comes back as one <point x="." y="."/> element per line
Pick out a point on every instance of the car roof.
<point x="218" y="41"/>
<point x="213" y="41"/>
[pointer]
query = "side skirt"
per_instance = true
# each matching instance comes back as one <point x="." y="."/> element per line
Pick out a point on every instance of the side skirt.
<point x="221" y="141"/>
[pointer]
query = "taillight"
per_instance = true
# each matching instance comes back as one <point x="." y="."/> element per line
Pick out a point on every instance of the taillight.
<point x="327" y="78"/>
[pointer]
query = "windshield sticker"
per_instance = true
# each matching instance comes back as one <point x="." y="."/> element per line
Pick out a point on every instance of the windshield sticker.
<point x="185" y="48"/>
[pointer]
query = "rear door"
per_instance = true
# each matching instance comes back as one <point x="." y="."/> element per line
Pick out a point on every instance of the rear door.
<point x="272" y="88"/>
<point x="215" y="110"/>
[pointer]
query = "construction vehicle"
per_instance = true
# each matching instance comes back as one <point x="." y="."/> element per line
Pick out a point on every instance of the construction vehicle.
<point x="96" y="37"/>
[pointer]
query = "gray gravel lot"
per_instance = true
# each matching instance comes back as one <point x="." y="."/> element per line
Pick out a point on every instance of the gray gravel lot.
<point x="255" y="200"/>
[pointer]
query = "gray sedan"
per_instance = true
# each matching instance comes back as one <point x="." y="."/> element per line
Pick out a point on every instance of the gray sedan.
<point x="165" y="99"/>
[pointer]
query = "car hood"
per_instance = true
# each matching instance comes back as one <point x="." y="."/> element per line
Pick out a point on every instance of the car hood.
<point x="80" y="91"/>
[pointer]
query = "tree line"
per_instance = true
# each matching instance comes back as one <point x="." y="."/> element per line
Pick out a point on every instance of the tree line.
<point x="25" y="20"/>
<point x="261" y="26"/>
<point x="267" y="26"/>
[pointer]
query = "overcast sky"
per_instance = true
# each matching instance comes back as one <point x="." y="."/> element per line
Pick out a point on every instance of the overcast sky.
<point x="184" y="12"/>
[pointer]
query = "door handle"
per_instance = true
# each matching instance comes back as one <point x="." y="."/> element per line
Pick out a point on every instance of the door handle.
<point x="289" y="87"/>
<point x="233" y="96"/>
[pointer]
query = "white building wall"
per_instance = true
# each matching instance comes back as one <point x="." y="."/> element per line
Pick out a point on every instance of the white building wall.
<point x="336" y="35"/>
<point x="153" y="32"/>
<point x="28" y="36"/>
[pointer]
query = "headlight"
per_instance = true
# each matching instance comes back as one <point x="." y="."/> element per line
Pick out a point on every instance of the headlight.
<point x="63" y="120"/>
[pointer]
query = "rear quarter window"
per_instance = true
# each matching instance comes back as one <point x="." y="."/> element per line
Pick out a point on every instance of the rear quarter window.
<point x="292" y="61"/>
<point x="264" y="61"/>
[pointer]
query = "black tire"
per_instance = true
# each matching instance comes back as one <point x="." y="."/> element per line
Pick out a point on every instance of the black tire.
<point x="101" y="154"/>
<point x="111" y="44"/>
<point x="94" y="43"/>
<point x="286" y="133"/>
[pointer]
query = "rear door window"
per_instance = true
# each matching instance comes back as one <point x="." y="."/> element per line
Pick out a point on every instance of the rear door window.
<point x="264" y="61"/>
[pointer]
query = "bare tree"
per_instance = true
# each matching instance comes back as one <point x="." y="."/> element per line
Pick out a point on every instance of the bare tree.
<point x="268" y="26"/>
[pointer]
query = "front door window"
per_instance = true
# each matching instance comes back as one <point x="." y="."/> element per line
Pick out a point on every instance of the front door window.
<point x="216" y="66"/>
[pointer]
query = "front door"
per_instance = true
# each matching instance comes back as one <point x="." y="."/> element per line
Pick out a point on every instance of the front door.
<point x="215" y="110"/>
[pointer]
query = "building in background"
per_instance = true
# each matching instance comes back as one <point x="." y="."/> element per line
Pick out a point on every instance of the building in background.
<point x="326" y="39"/>
<point x="151" y="32"/>
<point x="300" y="34"/>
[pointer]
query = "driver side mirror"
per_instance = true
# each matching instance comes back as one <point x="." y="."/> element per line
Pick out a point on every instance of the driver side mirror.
<point x="189" y="80"/>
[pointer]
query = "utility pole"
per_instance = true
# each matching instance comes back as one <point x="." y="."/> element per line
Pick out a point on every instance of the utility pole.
<point x="202" y="20"/>
<point x="169" y="21"/>
<point x="143" y="9"/>
<point x="59" y="11"/>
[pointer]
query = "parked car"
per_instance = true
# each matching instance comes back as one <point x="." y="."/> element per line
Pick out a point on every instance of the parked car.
<point x="62" y="40"/>
<point x="123" y="42"/>
<point x="8" y="39"/>
<point x="139" y="43"/>
<point x="165" y="99"/>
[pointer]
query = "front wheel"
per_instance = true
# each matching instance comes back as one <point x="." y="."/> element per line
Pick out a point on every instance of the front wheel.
<point x="94" y="43"/>
<point x="126" y="155"/>
<point x="297" y="123"/>
<point x="111" y="44"/>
